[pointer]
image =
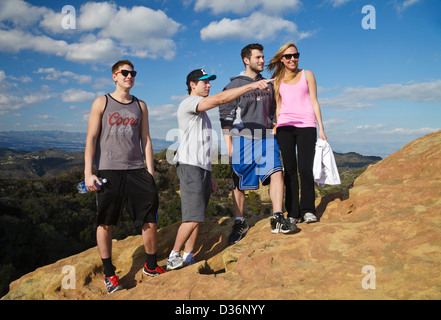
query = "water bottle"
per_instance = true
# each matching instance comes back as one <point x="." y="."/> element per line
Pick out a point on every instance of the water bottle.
<point x="81" y="187"/>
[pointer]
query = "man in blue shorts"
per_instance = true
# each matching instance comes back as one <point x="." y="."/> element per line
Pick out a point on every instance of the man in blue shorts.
<point x="118" y="142"/>
<point x="247" y="126"/>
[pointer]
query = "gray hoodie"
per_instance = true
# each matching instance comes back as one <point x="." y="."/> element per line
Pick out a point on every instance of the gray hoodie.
<point x="254" y="110"/>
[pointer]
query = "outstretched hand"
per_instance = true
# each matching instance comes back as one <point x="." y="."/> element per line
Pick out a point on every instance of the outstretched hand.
<point x="262" y="84"/>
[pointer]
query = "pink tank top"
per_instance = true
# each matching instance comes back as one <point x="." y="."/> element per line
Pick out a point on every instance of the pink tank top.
<point x="296" y="109"/>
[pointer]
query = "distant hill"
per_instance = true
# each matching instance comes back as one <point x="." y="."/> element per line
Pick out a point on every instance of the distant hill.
<point x="44" y="154"/>
<point x="62" y="140"/>
<point x="37" y="164"/>
<point x="37" y="140"/>
<point x="353" y="160"/>
<point x="51" y="162"/>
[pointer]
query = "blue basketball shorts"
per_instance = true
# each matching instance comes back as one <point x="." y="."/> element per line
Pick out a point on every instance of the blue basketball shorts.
<point x="254" y="160"/>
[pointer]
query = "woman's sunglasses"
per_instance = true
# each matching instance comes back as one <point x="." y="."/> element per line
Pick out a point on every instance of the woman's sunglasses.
<point x="125" y="73"/>
<point x="289" y="56"/>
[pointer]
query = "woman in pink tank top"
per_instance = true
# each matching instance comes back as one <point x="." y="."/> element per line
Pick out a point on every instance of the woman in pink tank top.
<point x="298" y="115"/>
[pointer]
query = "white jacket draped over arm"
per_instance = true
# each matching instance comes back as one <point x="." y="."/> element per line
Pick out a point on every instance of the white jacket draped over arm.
<point x="325" y="168"/>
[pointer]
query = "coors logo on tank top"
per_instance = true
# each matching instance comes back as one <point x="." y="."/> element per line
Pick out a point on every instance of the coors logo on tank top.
<point x="122" y="122"/>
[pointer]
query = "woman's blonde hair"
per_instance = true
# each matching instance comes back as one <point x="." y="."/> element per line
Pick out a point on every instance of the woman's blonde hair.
<point x="277" y="68"/>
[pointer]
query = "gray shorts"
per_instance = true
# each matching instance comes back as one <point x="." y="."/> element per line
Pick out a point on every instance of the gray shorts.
<point x="195" y="184"/>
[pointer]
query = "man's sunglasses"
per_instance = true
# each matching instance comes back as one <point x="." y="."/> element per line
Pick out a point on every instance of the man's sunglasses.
<point x="289" y="56"/>
<point x="125" y="73"/>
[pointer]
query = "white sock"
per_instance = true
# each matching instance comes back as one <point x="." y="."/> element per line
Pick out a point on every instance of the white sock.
<point x="174" y="254"/>
<point x="187" y="256"/>
<point x="240" y="218"/>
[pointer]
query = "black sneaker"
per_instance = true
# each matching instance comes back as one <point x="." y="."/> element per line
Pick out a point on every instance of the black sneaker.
<point x="112" y="284"/>
<point x="276" y="222"/>
<point x="275" y="225"/>
<point x="240" y="228"/>
<point x="289" y="226"/>
<point x="281" y="225"/>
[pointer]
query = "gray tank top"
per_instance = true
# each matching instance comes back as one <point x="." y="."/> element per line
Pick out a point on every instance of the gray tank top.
<point x="119" y="143"/>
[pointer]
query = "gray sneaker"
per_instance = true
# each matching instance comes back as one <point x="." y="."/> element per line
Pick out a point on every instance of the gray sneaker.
<point x="309" y="217"/>
<point x="175" y="262"/>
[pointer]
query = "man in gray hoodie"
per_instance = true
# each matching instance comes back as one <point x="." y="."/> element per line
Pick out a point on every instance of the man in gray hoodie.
<point x="247" y="124"/>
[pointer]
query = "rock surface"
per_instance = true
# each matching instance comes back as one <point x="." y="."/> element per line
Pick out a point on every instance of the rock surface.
<point x="382" y="241"/>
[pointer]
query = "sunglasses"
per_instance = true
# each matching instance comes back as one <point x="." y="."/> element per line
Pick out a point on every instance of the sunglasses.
<point x="125" y="73"/>
<point x="289" y="56"/>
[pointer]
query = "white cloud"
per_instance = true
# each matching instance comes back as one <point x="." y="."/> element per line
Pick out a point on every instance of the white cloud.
<point x="150" y="36"/>
<point x="23" y="79"/>
<point x="52" y="22"/>
<point x="246" y="6"/>
<point x="258" y="26"/>
<point x="406" y="4"/>
<point x="46" y="116"/>
<point x="343" y="101"/>
<point x="92" y="49"/>
<point x="179" y="98"/>
<point x="370" y="127"/>
<point x="337" y="3"/>
<point x="20" y="13"/>
<point x="360" y="97"/>
<point x="149" y="23"/>
<point x="408" y="131"/>
<point x="334" y="122"/>
<point x="161" y="113"/>
<point x="10" y="102"/>
<point x="17" y="40"/>
<point x="36" y="97"/>
<point x="56" y="75"/>
<point x="94" y="15"/>
<point x="416" y="92"/>
<point x="106" y="32"/>
<point x="79" y="95"/>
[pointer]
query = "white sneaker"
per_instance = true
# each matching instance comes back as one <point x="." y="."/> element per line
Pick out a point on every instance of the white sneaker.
<point x="175" y="262"/>
<point x="309" y="217"/>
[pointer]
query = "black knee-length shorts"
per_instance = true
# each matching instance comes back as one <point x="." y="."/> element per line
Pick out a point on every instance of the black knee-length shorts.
<point x="135" y="189"/>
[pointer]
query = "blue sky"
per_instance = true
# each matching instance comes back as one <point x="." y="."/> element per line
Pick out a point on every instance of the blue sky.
<point x="378" y="88"/>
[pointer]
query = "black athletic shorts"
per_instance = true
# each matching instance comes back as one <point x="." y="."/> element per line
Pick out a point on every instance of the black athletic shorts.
<point x="134" y="188"/>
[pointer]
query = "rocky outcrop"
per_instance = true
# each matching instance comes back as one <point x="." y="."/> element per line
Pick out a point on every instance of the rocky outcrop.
<point x="382" y="241"/>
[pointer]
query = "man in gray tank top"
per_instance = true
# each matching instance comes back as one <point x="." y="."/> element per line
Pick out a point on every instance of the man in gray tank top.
<point x="118" y="142"/>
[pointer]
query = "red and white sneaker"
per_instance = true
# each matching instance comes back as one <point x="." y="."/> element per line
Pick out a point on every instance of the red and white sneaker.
<point x="112" y="284"/>
<point x="152" y="273"/>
